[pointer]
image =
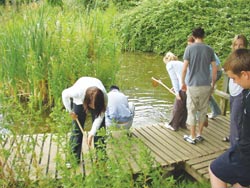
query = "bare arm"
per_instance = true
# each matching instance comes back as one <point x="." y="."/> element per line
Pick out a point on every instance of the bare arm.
<point x="214" y="73"/>
<point x="183" y="75"/>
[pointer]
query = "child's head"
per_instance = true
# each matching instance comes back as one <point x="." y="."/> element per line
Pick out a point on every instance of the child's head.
<point x="237" y="67"/>
<point x="169" y="57"/>
<point x="190" y="40"/>
<point x="239" y="41"/>
<point x="198" y="33"/>
<point x="114" y="87"/>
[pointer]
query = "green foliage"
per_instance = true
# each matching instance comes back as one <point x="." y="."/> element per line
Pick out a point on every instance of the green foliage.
<point x="104" y="4"/>
<point x="113" y="172"/>
<point x="160" y="26"/>
<point x="55" y="2"/>
<point x="44" y="50"/>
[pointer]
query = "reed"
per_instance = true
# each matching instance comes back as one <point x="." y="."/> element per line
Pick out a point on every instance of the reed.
<point x="45" y="49"/>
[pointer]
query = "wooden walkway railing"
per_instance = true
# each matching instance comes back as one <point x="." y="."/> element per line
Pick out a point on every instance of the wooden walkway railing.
<point x="38" y="154"/>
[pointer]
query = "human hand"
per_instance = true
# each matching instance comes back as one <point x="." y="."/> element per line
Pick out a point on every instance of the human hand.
<point x="178" y="97"/>
<point x="89" y="140"/>
<point x="184" y="87"/>
<point x="73" y="115"/>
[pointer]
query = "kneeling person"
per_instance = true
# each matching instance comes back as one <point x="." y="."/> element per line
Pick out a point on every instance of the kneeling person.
<point x="119" y="112"/>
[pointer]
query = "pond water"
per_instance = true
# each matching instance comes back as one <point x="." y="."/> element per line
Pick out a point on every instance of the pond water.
<point x="153" y="105"/>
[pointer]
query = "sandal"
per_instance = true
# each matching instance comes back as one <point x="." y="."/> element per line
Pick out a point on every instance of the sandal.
<point x="226" y="139"/>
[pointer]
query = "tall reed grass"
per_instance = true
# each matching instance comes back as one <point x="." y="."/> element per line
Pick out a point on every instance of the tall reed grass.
<point x="44" y="49"/>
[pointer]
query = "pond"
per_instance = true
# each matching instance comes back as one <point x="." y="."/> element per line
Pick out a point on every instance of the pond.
<point x="153" y="105"/>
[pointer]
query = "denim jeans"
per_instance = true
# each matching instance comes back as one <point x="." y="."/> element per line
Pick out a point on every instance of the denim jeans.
<point x="215" y="109"/>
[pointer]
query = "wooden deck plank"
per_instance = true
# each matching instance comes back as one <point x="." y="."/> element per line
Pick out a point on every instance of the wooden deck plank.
<point x="167" y="148"/>
<point x="62" y="141"/>
<point x="45" y="154"/>
<point x="219" y="125"/>
<point x="186" y="148"/>
<point x="174" y="150"/>
<point x="14" y="153"/>
<point x="157" y="153"/>
<point x="162" y="156"/>
<point x="26" y="155"/>
<point x="52" y="156"/>
<point x="35" y="169"/>
<point x="199" y="147"/>
<point x="131" y="152"/>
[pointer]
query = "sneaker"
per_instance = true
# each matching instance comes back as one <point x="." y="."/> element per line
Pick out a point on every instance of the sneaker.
<point x="169" y="127"/>
<point x="226" y="139"/>
<point x="212" y="116"/>
<point x="68" y="165"/>
<point x="189" y="139"/>
<point x="199" y="138"/>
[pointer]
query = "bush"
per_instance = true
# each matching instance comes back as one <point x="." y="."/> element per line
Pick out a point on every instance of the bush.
<point x="160" y="26"/>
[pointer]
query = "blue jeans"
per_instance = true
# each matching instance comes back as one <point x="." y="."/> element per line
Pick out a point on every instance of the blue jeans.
<point x="215" y="109"/>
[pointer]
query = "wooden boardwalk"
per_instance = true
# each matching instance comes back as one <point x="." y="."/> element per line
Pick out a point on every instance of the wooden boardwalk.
<point x="43" y="155"/>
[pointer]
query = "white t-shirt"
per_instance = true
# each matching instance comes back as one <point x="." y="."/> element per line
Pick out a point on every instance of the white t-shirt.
<point x="77" y="93"/>
<point x="234" y="89"/>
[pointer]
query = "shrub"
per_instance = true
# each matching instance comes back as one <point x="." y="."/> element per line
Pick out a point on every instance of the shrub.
<point x="160" y="26"/>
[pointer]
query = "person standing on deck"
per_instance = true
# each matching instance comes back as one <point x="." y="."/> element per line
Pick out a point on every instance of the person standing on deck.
<point x="235" y="91"/>
<point x="215" y="109"/>
<point x="174" y="69"/>
<point x="233" y="166"/>
<point x="197" y="59"/>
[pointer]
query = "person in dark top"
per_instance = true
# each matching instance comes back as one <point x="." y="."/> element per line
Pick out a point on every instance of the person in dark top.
<point x="233" y="167"/>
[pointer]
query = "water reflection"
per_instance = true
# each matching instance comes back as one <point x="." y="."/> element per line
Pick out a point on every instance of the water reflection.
<point x="153" y="104"/>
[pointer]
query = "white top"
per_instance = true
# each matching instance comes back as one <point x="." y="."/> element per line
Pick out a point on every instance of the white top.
<point x="118" y="108"/>
<point x="234" y="89"/>
<point x="77" y="93"/>
<point x="174" y="69"/>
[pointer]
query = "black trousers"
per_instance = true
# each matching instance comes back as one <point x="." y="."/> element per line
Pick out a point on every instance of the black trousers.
<point x="179" y="116"/>
<point x="77" y="136"/>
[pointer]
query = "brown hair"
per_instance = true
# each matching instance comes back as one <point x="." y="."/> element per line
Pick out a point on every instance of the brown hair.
<point x="94" y="96"/>
<point x="191" y="39"/>
<point x="237" y="61"/>
<point x="242" y="37"/>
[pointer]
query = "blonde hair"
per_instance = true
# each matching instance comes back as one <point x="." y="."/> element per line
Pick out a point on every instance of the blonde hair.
<point x="169" y="57"/>
<point x="242" y="37"/>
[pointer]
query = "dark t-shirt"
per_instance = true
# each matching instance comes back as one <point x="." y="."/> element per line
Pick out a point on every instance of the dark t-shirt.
<point x="199" y="56"/>
<point x="244" y="142"/>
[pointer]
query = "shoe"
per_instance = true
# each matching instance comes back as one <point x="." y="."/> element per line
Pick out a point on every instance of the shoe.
<point x="68" y="165"/>
<point x="226" y="139"/>
<point x="199" y="138"/>
<point x="169" y="127"/>
<point x="212" y="116"/>
<point x="189" y="139"/>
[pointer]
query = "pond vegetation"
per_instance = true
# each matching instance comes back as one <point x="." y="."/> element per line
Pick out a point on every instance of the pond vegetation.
<point x="46" y="45"/>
